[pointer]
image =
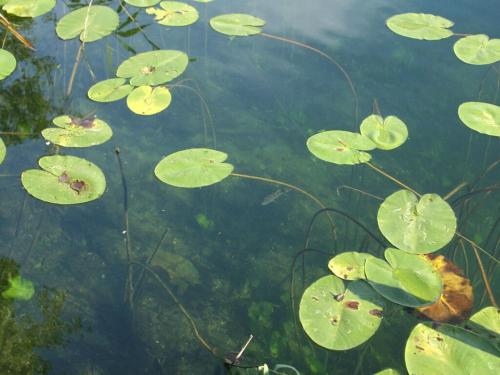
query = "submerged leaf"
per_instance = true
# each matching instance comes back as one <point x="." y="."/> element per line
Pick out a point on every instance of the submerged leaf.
<point x="145" y="100"/>
<point x="192" y="168"/>
<point x="416" y="226"/>
<point x="28" y="8"/>
<point x="180" y="270"/>
<point x="19" y="288"/>
<point x="174" y="13"/>
<point x="477" y="49"/>
<point x="387" y="133"/>
<point x="237" y="24"/>
<point x="71" y="133"/>
<point x="420" y="26"/>
<point x="109" y="90"/>
<point x="7" y="63"/>
<point x="481" y="117"/>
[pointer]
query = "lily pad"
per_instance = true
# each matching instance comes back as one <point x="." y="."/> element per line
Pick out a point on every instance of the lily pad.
<point x="142" y="3"/>
<point x="19" y="288"/>
<point x="405" y="279"/>
<point x="145" y="100"/>
<point x="90" y="24"/>
<point x="349" y="265"/>
<point x="420" y="26"/>
<point x="109" y="90"/>
<point x="192" y="168"/>
<point x="416" y="226"/>
<point x="180" y="270"/>
<point x="488" y="318"/>
<point x="7" y="63"/>
<point x="387" y="133"/>
<point x="154" y="67"/>
<point x="76" y="132"/>
<point x="449" y="350"/>
<point x="481" y="117"/>
<point x="174" y="13"/>
<point x="3" y="151"/>
<point x="387" y="371"/>
<point x="28" y="8"/>
<point x="237" y="24"/>
<point x="340" y="147"/>
<point x="338" y="318"/>
<point x="64" y="180"/>
<point x="477" y="49"/>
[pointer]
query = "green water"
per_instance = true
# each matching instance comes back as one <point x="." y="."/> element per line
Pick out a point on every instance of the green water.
<point x="264" y="98"/>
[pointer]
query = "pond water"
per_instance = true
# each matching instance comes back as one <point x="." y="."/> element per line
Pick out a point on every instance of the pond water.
<point x="226" y="250"/>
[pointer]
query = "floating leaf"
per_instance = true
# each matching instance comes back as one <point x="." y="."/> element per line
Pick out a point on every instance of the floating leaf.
<point x="7" y="63"/>
<point x="488" y="318"/>
<point x="90" y="24"/>
<point x="174" y="13"/>
<point x="28" y="8"/>
<point x="387" y="133"/>
<point x="19" y="288"/>
<point x="338" y="318"/>
<point x="349" y="265"/>
<point x="142" y="3"/>
<point x="75" y="132"/>
<point x="109" y="90"/>
<point x="405" y="279"/>
<point x="420" y="26"/>
<point x="180" y="270"/>
<point x="3" y="151"/>
<point x="477" y="49"/>
<point x="481" y="117"/>
<point x="192" y="168"/>
<point x="387" y="371"/>
<point x="340" y="147"/>
<point x="237" y="24"/>
<point x="449" y="350"/>
<point x="64" y="180"/>
<point x="144" y="100"/>
<point x="456" y="300"/>
<point x="417" y="226"/>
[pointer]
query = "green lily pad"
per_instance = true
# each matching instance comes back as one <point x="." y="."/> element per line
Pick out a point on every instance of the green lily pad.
<point x="154" y="67"/>
<point x="19" y="289"/>
<point x="387" y="371"/>
<point x="416" y="226"/>
<point x="142" y="3"/>
<point x="449" y="350"/>
<point x="387" y="133"/>
<point x="486" y="323"/>
<point x="145" y="100"/>
<point x="76" y="132"/>
<point x="3" y="151"/>
<point x="109" y="90"/>
<point x="420" y="26"/>
<point x="337" y="318"/>
<point x="481" y="117"/>
<point x="237" y="24"/>
<point x="340" y="147"/>
<point x="28" y="8"/>
<point x="405" y="279"/>
<point x="7" y="63"/>
<point x="349" y="265"/>
<point x="64" y="180"/>
<point x="477" y="49"/>
<point x="174" y="13"/>
<point x="90" y="24"/>
<point x="192" y="168"/>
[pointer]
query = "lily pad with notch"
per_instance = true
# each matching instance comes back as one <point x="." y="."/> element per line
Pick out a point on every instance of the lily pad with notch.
<point x="146" y="100"/>
<point x="481" y="117"/>
<point x="387" y="133"/>
<point x="109" y="90"/>
<point x="405" y="279"/>
<point x="420" y="26"/>
<point x="64" y="180"/>
<point x="154" y="67"/>
<point x="174" y="13"/>
<point x="349" y="265"/>
<point x="19" y="288"/>
<point x="28" y="8"/>
<point x="340" y="147"/>
<point x="193" y="168"/>
<point x="89" y="23"/>
<point x="73" y="131"/>
<point x="237" y="24"/>
<point x="477" y="49"/>
<point x="416" y="225"/>
<point x="340" y="318"/>
<point x="7" y="63"/>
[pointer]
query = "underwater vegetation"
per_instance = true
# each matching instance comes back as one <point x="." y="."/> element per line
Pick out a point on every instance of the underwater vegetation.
<point x="369" y="285"/>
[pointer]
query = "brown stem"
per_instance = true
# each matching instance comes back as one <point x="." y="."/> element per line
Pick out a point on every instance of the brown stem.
<point x="392" y="178"/>
<point x="8" y="26"/>
<point x="458" y="188"/>
<point x="359" y="191"/>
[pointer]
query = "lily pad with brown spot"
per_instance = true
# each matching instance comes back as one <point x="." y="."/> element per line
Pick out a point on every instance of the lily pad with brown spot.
<point x="349" y="265"/>
<point x="174" y="13"/>
<point x="78" y="132"/>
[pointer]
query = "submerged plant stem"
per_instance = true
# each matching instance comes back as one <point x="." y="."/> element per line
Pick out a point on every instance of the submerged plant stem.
<point x="455" y="190"/>
<point x="8" y="26"/>
<point x="394" y="179"/>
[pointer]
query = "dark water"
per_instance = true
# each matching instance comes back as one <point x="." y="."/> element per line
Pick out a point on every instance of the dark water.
<point x="265" y="98"/>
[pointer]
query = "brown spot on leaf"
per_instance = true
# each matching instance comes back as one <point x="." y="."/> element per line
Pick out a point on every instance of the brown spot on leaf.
<point x="377" y="313"/>
<point x="352" y="304"/>
<point x="77" y="186"/>
<point x="419" y="347"/>
<point x="349" y="268"/>
<point x="64" y="178"/>
<point x="338" y="297"/>
<point x="86" y="122"/>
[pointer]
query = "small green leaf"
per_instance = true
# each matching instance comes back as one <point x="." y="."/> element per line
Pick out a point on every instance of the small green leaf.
<point x="3" y="150"/>
<point x="387" y="371"/>
<point x="73" y="132"/>
<point x="192" y="168"/>
<point x="7" y="63"/>
<point x="145" y="100"/>
<point x="237" y="24"/>
<point x="142" y="3"/>
<point x="109" y="90"/>
<point x="19" y="289"/>
<point x="340" y="147"/>
<point x="416" y="226"/>
<point x="387" y="133"/>
<point x="174" y="13"/>
<point x="28" y="8"/>
<point x="477" y="49"/>
<point x="349" y="265"/>
<point x="481" y="117"/>
<point x="420" y="26"/>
